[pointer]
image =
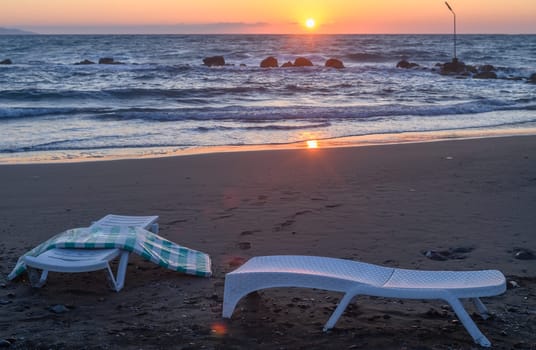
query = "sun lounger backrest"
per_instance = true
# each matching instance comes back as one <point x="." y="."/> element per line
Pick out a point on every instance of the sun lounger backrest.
<point x="333" y="268"/>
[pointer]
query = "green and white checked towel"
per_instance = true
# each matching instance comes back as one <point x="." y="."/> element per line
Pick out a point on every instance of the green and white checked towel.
<point x="133" y="239"/>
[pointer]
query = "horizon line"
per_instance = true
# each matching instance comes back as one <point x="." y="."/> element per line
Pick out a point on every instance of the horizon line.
<point x="253" y="34"/>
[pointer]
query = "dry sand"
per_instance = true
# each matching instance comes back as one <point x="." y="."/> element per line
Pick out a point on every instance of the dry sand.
<point x="382" y="204"/>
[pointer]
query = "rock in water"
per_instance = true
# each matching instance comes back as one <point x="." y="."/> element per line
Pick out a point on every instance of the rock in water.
<point x="214" y="61"/>
<point x="287" y="64"/>
<point x="485" y="75"/>
<point x="109" y="60"/>
<point x="86" y="62"/>
<point x="334" y="63"/>
<point x="106" y="60"/>
<point x="6" y="61"/>
<point x="302" y="62"/>
<point x="405" y="64"/>
<point x="453" y="67"/>
<point x="269" y="62"/>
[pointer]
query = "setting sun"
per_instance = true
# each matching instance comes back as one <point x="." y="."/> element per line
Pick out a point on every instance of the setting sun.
<point x="310" y="23"/>
<point x="312" y="144"/>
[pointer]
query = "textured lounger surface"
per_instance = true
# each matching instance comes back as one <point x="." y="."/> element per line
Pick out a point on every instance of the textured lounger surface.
<point x="354" y="278"/>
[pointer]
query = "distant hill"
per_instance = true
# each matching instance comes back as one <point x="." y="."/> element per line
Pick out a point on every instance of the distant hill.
<point x="11" y="31"/>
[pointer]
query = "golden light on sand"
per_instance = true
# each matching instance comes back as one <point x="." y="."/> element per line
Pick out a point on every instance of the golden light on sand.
<point x="310" y="23"/>
<point x="312" y="144"/>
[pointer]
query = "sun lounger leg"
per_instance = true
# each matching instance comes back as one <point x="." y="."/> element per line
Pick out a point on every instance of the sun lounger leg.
<point x="339" y="310"/>
<point x="228" y="307"/>
<point x="37" y="280"/>
<point x="482" y="310"/>
<point x="467" y="322"/>
<point x="122" y="269"/>
<point x="117" y="283"/>
<point x="231" y="295"/>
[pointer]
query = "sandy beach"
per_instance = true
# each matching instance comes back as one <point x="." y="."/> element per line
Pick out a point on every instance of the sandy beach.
<point x="474" y="199"/>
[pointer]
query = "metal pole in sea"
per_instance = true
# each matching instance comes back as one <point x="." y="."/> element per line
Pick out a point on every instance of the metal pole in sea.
<point x="450" y="8"/>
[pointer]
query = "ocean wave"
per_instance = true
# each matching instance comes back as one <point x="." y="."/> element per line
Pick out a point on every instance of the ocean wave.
<point x="368" y="57"/>
<point x="27" y="112"/>
<point x="268" y="114"/>
<point x="270" y="127"/>
<point x="253" y="114"/>
<point x="126" y="93"/>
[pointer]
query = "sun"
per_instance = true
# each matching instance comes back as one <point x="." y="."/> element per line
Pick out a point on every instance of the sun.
<point x="310" y="23"/>
<point x="312" y="143"/>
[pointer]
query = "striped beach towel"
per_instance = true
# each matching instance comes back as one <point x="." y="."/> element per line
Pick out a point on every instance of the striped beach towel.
<point x="148" y="245"/>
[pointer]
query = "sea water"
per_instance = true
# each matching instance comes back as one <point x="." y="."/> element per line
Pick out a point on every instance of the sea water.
<point x="163" y="100"/>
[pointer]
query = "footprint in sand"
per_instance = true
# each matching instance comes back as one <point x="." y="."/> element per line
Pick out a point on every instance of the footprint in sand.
<point x="282" y="225"/>
<point x="249" y="232"/>
<point x="244" y="245"/>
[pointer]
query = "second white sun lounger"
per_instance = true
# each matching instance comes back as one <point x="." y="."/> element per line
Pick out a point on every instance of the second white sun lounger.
<point x="356" y="278"/>
<point x="85" y="260"/>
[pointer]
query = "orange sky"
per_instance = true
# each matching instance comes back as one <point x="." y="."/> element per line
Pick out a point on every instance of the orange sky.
<point x="274" y="16"/>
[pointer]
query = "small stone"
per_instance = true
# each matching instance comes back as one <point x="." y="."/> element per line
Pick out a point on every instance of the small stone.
<point x="5" y="302"/>
<point x="435" y="255"/>
<point x="4" y="343"/>
<point x="11" y="295"/>
<point x="191" y="300"/>
<point x="512" y="285"/>
<point x="462" y="250"/>
<point x="58" y="309"/>
<point x="524" y="254"/>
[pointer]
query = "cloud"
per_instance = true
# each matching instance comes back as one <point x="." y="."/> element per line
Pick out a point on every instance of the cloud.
<point x="181" y="28"/>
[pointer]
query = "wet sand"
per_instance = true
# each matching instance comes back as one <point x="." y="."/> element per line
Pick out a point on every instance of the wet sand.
<point x="379" y="204"/>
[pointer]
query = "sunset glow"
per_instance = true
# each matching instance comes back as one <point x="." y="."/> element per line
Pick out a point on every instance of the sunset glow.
<point x="281" y="17"/>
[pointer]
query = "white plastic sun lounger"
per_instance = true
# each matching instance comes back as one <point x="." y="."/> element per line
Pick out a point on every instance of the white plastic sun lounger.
<point x="356" y="278"/>
<point x="86" y="260"/>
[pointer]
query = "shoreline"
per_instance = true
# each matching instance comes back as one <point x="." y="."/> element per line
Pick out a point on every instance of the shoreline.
<point x="384" y="205"/>
<point x="74" y="156"/>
